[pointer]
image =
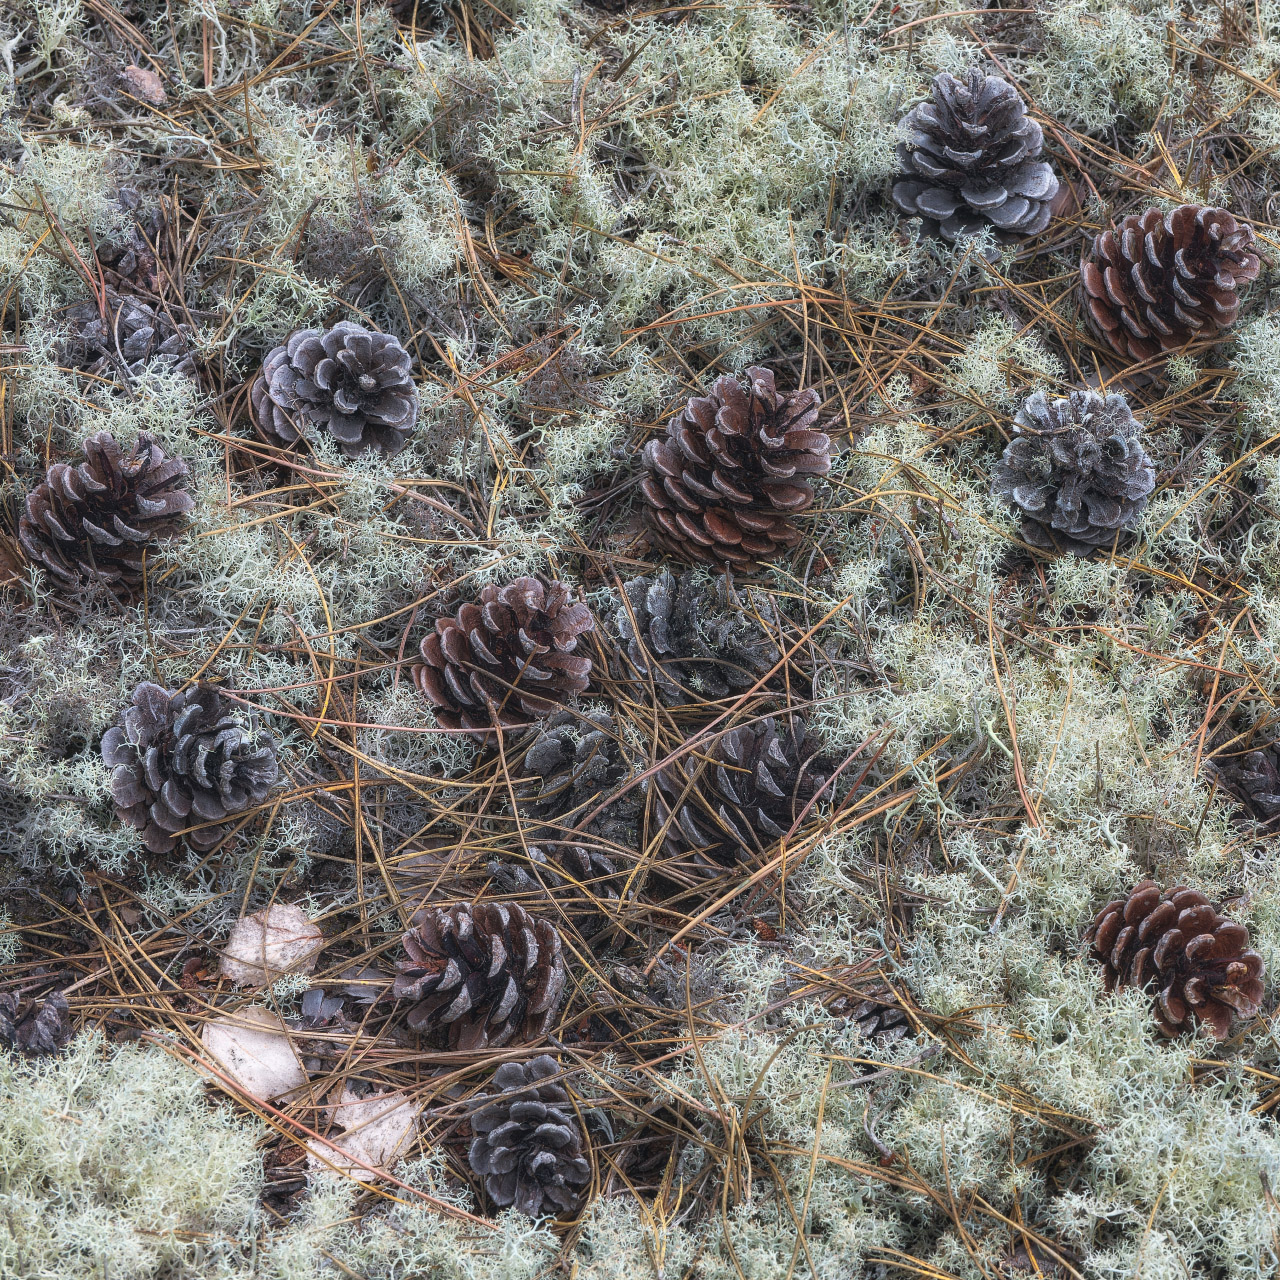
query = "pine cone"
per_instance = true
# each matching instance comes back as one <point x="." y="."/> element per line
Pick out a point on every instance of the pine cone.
<point x="757" y="780"/>
<point x="126" y="334"/>
<point x="733" y="469"/>
<point x="879" y="1014"/>
<point x="94" y="521"/>
<point x="693" y="644"/>
<point x="528" y="1145"/>
<point x="576" y="761"/>
<point x="131" y="264"/>
<point x="43" y="1027"/>
<point x="1199" y="963"/>
<point x="1247" y="766"/>
<point x="348" y="380"/>
<point x="970" y="158"/>
<point x="182" y="760"/>
<point x="1160" y="280"/>
<point x="513" y="649"/>
<point x="1076" y="471"/>
<point x="491" y="972"/>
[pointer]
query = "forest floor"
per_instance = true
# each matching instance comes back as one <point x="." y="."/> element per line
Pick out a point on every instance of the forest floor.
<point x="875" y="1045"/>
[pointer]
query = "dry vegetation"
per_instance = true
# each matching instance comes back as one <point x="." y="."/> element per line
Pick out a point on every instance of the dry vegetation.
<point x="574" y="218"/>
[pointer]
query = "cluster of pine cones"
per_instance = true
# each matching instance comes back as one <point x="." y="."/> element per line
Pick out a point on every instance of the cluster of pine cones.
<point x="1076" y="471"/>
<point x="722" y="490"/>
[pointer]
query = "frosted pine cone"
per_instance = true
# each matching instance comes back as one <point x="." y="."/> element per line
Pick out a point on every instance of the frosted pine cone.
<point x="183" y="760"/>
<point x="126" y="334"/>
<point x="691" y="641"/>
<point x="491" y="973"/>
<point x="575" y="762"/>
<point x="735" y="466"/>
<point x="94" y="521"/>
<point x="42" y="1027"/>
<point x="1247" y="766"/>
<point x="1197" y="964"/>
<point x="349" y="381"/>
<point x="528" y="1145"/>
<point x="1159" y="280"/>
<point x="508" y="657"/>
<point x="131" y="264"/>
<point x="759" y="778"/>
<point x="970" y="157"/>
<point x="1076" y="471"/>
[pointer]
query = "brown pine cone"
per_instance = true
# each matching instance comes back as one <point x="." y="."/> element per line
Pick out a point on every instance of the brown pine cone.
<point x="349" y="381"/>
<point x="1198" y="963"/>
<point x="491" y="973"/>
<point x="1160" y="280"/>
<point x="1247" y="766"/>
<point x="732" y="470"/>
<point x="971" y="157"/>
<point x="183" y="760"/>
<point x="513" y="649"/>
<point x="94" y="521"/>
<point x="749" y="792"/>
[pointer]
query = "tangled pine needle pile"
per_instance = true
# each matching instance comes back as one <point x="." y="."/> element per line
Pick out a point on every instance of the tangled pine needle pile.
<point x="639" y="643"/>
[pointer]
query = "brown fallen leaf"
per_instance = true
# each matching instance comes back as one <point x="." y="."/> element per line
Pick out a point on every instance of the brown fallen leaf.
<point x="145" y="84"/>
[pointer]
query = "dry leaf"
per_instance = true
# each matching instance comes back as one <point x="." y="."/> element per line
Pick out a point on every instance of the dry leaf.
<point x="379" y="1130"/>
<point x="264" y="946"/>
<point x="145" y="84"/>
<point x="252" y="1047"/>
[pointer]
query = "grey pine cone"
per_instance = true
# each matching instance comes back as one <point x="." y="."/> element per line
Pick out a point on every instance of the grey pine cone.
<point x="43" y="1026"/>
<point x="350" y="381"/>
<point x="183" y="760"/>
<point x="490" y="972"/>
<point x="1076" y="471"/>
<point x="126" y="334"/>
<point x="1247" y="767"/>
<point x="528" y="1144"/>
<point x="95" y="520"/>
<point x="753" y="784"/>
<point x="969" y="157"/>
<point x="691" y="640"/>
<point x="878" y="1013"/>
<point x="574" y="763"/>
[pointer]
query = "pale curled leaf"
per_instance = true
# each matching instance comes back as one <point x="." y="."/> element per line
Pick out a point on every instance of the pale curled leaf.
<point x="378" y="1131"/>
<point x="252" y="1047"/>
<point x="264" y="946"/>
